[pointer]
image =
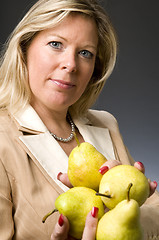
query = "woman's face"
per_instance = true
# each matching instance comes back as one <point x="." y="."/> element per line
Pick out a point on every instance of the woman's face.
<point x="61" y="61"/>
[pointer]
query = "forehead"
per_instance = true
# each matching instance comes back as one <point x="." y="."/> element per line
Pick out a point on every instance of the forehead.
<point x="76" y="26"/>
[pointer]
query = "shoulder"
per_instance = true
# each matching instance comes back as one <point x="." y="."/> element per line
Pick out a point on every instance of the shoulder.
<point x="6" y="122"/>
<point x="8" y="130"/>
<point x="10" y="149"/>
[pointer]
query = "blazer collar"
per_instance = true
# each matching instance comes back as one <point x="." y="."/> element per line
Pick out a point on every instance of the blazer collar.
<point x="29" y="120"/>
<point x="45" y="149"/>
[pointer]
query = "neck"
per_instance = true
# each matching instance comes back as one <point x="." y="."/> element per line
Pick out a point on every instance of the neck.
<point x="50" y="116"/>
<point x="71" y="136"/>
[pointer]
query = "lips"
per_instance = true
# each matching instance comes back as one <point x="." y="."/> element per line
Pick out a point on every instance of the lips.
<point x="63" y="84"/>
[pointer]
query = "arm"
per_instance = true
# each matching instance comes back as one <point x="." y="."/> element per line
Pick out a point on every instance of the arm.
<point x="6" y="223"/>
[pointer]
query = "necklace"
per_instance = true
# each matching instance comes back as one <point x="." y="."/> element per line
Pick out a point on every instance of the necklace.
<point x="65" y="140"/>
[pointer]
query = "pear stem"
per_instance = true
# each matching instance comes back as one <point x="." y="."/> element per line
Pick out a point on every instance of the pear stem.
<point x="78" y="143"/>
<point x="128" y="191"/>
<point x="47" y="215"/>
<point x="103" y="195"/>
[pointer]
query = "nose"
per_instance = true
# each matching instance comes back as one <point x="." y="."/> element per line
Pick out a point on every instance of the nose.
<point x="69" y="62"/>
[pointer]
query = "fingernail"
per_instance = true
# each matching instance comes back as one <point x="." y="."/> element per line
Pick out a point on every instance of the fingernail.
<point x="103" y="169"/>
<point x="141" y="164"/>
<point x="156" y="184"/>
<point x="94" y="212"/>
<point x="61" y="221"/>
<point x="58" y="175"/>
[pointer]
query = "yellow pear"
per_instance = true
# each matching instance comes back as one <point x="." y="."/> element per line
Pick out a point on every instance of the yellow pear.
<point x="121" y="223"/>
<point x="83" y="166"/>
<point x="75" y="204"/>
<point x="114" y="184"/>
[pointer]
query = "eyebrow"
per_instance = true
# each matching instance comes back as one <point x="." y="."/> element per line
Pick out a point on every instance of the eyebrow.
<point x="59" y="36"/>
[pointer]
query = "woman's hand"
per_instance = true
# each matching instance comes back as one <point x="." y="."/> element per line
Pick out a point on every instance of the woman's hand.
<point x="153" y="185"/>
<point x="63" y="177"/>
<point x="62" y="227"/>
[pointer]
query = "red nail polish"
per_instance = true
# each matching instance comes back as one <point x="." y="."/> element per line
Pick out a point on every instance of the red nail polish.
<point x="156" y="184"/>
<point x="94" y="212"/>
<point x="141" y="164"/>
<point x="103" y="169"/>
<point x="61" y="221"/>
<point x="58" y="175"/>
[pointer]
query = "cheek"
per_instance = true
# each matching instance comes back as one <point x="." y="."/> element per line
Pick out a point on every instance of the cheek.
<point x="88" y="73"/>
<point x="37" y="59"/>
<point x="85" y="81"/>
<point x="36" y="63"/>
<point x="38" y="68"/>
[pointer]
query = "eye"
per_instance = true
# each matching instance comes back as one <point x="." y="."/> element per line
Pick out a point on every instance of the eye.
<point x="55" y="44"/>
<point x="86" y="54"/>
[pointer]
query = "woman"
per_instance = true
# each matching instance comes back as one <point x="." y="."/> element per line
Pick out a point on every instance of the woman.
<point x="55" y="66"/>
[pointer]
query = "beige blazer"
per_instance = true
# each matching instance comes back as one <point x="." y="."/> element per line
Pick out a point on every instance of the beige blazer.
<point x="30" y="159"/>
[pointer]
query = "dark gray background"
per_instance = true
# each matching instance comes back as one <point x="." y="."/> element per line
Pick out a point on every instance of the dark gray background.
<point x="131" y="93"/>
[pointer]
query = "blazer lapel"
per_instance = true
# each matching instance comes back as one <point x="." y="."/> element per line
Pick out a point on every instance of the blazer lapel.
<point x="48" y="153"/>
<point x="98" y="137"/>
<point x="38" y="142"/>
<point x="45" y="149"/>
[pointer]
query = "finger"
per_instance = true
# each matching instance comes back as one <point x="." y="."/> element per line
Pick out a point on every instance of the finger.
<point x="91" y="225"/>
<point x="61" y="229"/>
<point x="140" y="166"/>
<point x="153" y="186"/>
<point x="108" y="165"/>
<point x="63" y="177"/>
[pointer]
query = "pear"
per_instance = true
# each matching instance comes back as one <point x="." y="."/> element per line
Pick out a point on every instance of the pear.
<point x="83" y="165"/>
<point x="121" y="223"/>
<point x="75" y="204"/>
<point x="114" y="184"/>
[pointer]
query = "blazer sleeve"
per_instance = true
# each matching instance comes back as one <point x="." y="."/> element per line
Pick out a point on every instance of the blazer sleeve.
<point x="6" y="223"/>
<point x="149" y="213"/>
<point x="150" y="209"/>
<point x="150" y="217"/>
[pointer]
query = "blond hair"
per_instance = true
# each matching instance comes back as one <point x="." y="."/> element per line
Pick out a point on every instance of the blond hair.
<point x="15" y="92"/>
